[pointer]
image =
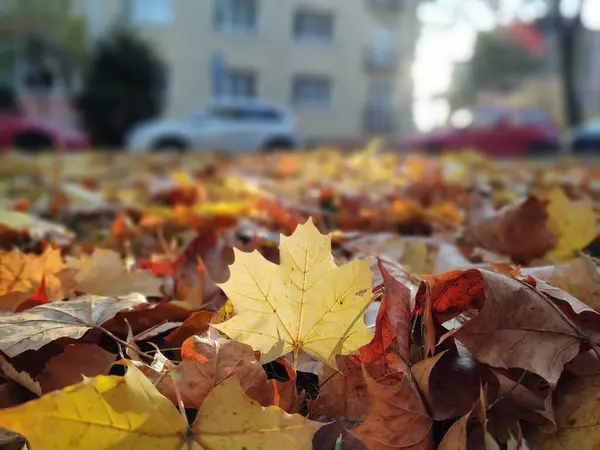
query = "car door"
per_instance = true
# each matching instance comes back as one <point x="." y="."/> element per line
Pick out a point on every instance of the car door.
<point x="490" y="132"/>
<point x="229" y="128"/>
<point x="213" y="127"/>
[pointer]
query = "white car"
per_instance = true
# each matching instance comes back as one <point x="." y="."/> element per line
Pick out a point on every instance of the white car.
<point x="230" y="126"/>
<point x="585" y="139"/>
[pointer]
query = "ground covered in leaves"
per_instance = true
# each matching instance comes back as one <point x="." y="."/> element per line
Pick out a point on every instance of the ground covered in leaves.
<point x="311" y="300"/>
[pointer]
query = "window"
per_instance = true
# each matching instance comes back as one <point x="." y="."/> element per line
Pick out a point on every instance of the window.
<point x="530" y="117"/>
<point x="311" y="92"/>
<point x="246" y="113"/>
<point x="381" y="95"/>
<point x="236" y="16"/>
<point x="239" y="84"/>
<point x="383" y="49"/>
<point x="153" y="12"/>
<point x="313" y="26"/>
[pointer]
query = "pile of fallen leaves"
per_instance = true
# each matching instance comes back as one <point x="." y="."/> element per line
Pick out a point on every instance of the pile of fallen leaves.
<point x="307" y="300"/>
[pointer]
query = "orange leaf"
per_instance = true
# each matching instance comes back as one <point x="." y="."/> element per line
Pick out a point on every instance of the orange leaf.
<point x="398" y="418"/>
<point x="21" y="275"/>
<point x="197" y="323"/>
<point x="392" y="324"/>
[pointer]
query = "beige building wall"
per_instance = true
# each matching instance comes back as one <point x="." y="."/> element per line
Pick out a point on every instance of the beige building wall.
<point x="190" y="39"/>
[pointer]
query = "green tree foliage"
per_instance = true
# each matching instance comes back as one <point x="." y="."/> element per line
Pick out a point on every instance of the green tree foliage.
<point x="39" y="29"/>
<point x="499" y="64"/>
<point x="122" y="86"/>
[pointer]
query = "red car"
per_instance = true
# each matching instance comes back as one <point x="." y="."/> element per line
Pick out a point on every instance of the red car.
<point x="31" y="134"/>
<point x="496" y="132"/>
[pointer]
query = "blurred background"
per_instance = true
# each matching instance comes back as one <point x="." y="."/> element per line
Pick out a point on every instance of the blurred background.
<point x="507" y="77"/>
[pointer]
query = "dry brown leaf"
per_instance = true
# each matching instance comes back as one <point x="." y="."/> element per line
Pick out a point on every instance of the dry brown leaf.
<point x="579" y="277"/>
<point x="208" y="362"/>
<point x="147" y="316"/>
<point x="450" y="383"/>
<point x="23" y="378"/>
<point x="398" y="419"/>
<point x="519" y="230"/>
<point x="75" y="362"/>
<point x="515" y="326"/>
<point x="21" y="274"/>
<point x="577" y="409"/>
<point x="103" y="273"/>
<point x="36" y="327"/>
<point x="343" y="393"/>
<point x="521" y="399"/>
<point x="456" y="437"/>
<point x="196" y="324"/>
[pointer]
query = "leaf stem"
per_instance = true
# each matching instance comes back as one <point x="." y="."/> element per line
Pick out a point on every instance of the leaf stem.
<point x="295" y="357"/>
<point x="126" y="344"/>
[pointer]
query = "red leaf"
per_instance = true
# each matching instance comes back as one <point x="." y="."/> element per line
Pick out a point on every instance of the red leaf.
<point x="392" y="323"/>
<point x="39" y="297"/>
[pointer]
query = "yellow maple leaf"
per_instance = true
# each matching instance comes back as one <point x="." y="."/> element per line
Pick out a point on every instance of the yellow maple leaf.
<point x="21" y="274"/>
<point x="109" y="412"/>
<point x="307" y="302"/>
<point x="573" y="222"/>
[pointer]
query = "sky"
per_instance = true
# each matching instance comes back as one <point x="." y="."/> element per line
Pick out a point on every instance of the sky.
<point x="448" y="35"/>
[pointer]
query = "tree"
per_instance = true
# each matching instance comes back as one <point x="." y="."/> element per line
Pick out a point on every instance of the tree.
<point x="121" y="86"/>
<point x="35" y="31"/>
<point x="568" y="32"/>
<point x="498" y="65"/>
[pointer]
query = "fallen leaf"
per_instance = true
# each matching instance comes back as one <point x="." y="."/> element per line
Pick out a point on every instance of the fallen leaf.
<point x="515" y="325"/>
<point x="128" y="412"/>
<point x="450" y="383"/>
<point x="207" y="362"/>
<point x="305" y="303"/>
<point x="579" y="277"/>
<point x="572" y="221"/>
<point x="456" y="437"/>
<point x="577" y="416"/>
<point x="37" y="228"/>
<point x="23" y="378"/>
<point x="392" y="325"/>
<point x="197" y="323"/>
<point x="21" y="274"/>
<point x="103" y="273"/>
<point x="36" y="327"/>
<point x="343" y="393"/>
<point x="520" y="230"/>
<point x="335" y="436"/>
<point x="147" y="316"/>
<point x="398" y="418"/>
<point x="75" y="362"/>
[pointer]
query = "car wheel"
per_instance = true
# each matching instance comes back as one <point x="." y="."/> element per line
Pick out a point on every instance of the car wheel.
<point x="170" y="144"/>
<point x="586" y="147"/>
<point x="32" y="141"/>
<point x="275" y="145"/>
<point x="542" y="149"/>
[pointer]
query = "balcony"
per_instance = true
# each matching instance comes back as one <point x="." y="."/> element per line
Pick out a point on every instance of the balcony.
<point x="379" y="120"/>
<point x="385" y="4"/>
<point x="377" y="60"/>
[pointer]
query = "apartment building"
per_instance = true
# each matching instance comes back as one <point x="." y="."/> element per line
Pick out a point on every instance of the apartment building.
<point x="343" y="66"/>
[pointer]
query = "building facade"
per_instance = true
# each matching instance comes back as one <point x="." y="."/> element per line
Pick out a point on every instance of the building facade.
<point x="343" y="66"/>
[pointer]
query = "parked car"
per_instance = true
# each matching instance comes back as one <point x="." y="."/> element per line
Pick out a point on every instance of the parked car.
<point x="496" y="132"/>
<point x="230" y="126"/>
<point x="585" y="139"/>
<point x="26" y="133"/>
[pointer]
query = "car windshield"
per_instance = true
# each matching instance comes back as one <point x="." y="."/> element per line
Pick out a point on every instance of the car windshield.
<point x="485" y="117"/>
<point x="529" y="116"/>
